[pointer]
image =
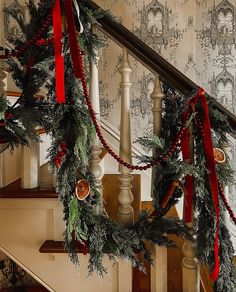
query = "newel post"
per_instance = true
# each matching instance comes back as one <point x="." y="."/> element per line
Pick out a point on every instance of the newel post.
<point x="159" y="267"/>
<point x="125" y="211"/>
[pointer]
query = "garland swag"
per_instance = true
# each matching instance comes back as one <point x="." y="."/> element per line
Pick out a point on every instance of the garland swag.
<point x="72" y="129"/>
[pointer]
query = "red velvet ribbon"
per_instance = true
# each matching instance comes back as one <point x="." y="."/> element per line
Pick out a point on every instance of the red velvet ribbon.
<point x="74" y="47"/>
<point x="210" y="162"/>
<point x="188" y="184"/>
<point x="59" y="59"/>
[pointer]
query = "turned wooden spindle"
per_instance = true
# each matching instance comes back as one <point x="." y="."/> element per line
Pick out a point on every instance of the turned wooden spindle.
<point x="95" y="166"/>
<point x="125" y="211"/>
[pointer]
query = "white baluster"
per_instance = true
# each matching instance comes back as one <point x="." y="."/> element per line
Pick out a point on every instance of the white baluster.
<point x="125" y="211"/>
<point x="30" y="166"/>
<point x="159" y="269"/>
<point x="95" y="166"/>
<point x="157" y="95"/>
<point x="190" y="266"/>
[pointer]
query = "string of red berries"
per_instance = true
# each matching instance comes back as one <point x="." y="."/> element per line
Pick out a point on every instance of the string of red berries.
<point x="8" y="116"/>
<point x="18" y="52"/>
<point x="153" y="163"/>
<point x="221" y="191"/>
<point x="44" y="42"/>
<point x="227" y="206"/>
<point x="60" y="154"/>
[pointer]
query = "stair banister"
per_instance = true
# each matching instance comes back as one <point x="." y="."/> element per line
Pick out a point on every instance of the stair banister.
<point x="152" y="60"/>
<point x="158" y="65"/>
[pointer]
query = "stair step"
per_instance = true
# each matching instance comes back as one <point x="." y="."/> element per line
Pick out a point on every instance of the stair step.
<point x="14" y="190"/>
<point x="51" y="246"/>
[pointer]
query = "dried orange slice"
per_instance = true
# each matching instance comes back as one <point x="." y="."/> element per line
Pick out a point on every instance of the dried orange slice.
<point x="82" y="189"/>
<point x="219" y="155"/>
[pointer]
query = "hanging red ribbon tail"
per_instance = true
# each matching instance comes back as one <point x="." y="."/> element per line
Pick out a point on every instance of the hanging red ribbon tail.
<point x="74" y="47"/>
<point x="59" y="59"/>
<point x="188" y="202"/>
<point x="210" y="161"/>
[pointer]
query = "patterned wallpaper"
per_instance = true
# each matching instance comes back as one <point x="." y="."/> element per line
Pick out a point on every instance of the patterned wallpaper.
<point x="198" y="37"/>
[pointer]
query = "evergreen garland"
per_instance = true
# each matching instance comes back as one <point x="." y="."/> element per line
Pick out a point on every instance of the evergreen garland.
<point x="72" y="133"/>
<point x="204" y="211"/>
<point x="20" y="120"/>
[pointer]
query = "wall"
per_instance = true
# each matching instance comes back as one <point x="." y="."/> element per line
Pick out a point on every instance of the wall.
<point x="38" y="220"/>
<point x="195" y="36"/>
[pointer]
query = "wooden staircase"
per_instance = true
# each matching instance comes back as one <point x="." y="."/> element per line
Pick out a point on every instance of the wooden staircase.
<point x="140" y="282"/>
<point x="40" y="204"/>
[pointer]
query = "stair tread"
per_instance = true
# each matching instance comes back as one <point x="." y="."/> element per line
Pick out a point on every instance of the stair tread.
<point x="52" y="246"/>
<point x="14" y="190"/>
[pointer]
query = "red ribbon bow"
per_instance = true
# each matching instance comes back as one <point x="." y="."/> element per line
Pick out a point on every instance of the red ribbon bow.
<point x="74" y="47"/>
<point x="210" y="162"/>
<point x="59" y="59"/>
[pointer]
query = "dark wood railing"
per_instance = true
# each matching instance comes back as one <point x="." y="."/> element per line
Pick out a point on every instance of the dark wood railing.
<point x="152" y="60"/>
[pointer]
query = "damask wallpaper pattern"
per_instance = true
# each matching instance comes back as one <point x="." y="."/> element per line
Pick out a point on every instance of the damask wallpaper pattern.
<point x="198" y="37"/>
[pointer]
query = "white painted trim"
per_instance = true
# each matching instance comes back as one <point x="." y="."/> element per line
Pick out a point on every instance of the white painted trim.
<point x="12" y="99"/>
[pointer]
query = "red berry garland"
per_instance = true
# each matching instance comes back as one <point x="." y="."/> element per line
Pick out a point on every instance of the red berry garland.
<point x="161" y="158"/>
<point x="153" y="163"/>
<point x="18" y="52"/>
<point x="227" y="206"/>
<point x="60" y="154"/>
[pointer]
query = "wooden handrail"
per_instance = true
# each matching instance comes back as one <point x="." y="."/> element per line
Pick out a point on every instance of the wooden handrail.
<point x="152" y="60"/>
